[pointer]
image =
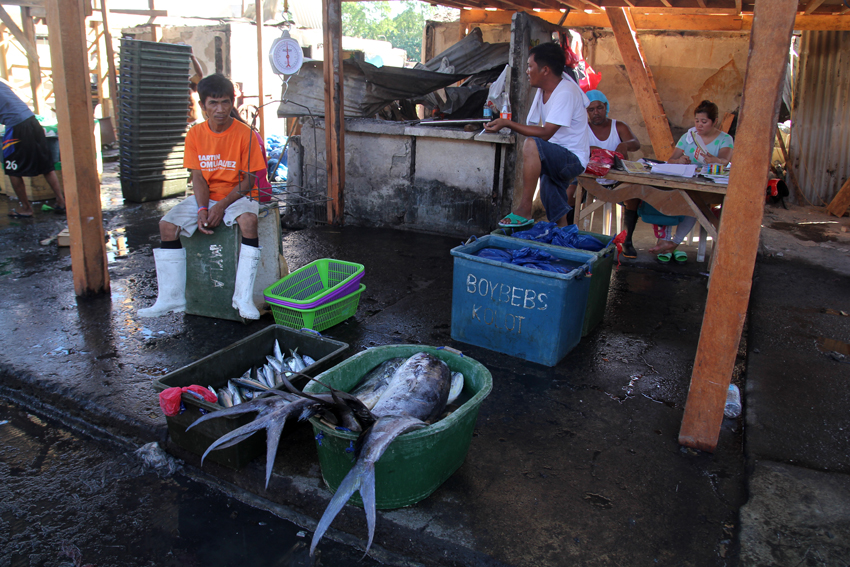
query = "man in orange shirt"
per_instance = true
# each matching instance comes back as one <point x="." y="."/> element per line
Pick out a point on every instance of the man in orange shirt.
<point x="218" y="152"/>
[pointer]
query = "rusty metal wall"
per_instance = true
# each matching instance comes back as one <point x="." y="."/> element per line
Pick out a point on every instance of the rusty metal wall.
<point x="820" y="131"/>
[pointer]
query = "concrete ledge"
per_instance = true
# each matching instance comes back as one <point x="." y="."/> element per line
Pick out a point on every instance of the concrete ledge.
<point x="795" y="516"/>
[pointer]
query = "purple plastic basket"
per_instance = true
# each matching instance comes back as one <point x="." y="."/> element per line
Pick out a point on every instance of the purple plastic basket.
<point x="347" y="289"/>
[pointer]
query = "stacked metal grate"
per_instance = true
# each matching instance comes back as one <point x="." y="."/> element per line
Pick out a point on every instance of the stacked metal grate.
<point x="152" y="118"/>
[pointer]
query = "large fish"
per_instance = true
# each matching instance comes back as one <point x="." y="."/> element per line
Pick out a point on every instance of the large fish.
<point x="373" y="385"/>
<point x="416" y="395"/>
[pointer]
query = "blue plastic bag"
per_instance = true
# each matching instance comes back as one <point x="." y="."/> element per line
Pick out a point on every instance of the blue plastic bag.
<point x="568" y="236"/>
<point x="526" y="257"/>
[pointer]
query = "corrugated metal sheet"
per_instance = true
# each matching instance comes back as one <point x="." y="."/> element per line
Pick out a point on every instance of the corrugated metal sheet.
<point x="820" y="131"/>
<point x="306" y="13"/>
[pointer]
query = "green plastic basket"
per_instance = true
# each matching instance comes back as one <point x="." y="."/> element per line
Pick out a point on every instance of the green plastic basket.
<point x="318" y="318"/>
<point x="418" y="462"/>
<point x="321" y="279"/>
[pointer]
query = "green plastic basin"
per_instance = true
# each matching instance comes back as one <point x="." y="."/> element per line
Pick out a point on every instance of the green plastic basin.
<point x="416" y="463"/>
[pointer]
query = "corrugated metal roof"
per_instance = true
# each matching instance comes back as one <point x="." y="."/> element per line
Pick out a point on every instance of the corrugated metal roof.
<point x="820" y="131"/>
<point x="306" y="13"/>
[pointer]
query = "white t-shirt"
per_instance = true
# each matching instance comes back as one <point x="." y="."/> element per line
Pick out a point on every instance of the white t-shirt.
<point x="566" y="108"/>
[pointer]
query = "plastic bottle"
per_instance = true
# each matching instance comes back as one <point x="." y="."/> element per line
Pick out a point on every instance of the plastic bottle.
<point x="506" y="108"/>
<point x="733" y="402"/>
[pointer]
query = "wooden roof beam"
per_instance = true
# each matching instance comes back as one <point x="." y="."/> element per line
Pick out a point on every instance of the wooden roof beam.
<point x="812" y="6"/>
<point x="739" y="6"/>
<point x="685" y="22"/>
<point x="576" y="5"/>
<point x="642" y="82"/>
<point x="29" y="48"/>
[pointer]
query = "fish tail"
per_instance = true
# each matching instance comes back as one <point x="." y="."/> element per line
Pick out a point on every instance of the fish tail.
<point x="349" y="485"/>
<point x="272" y="441"/>
<point x="367" y="494"/>
<point x="240" y="433"/>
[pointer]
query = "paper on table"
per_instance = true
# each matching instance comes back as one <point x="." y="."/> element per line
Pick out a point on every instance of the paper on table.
<point x="679" y="169"/>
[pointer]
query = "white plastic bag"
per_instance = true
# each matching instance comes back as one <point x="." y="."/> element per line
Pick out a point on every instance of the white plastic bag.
<point x="497" y="92"/>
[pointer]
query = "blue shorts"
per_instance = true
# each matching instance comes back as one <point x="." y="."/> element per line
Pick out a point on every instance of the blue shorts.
<point x="558" y="167"/>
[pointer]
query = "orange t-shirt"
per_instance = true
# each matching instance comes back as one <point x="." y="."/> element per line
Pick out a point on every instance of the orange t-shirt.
<point x="223" y="158"/>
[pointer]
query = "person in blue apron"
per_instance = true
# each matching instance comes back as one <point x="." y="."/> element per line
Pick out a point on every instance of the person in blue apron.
<point x="25" y="151"/>
<point x="703" y="144"/>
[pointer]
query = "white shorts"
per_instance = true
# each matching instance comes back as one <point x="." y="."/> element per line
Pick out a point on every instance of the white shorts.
<point x="185" y="213"/>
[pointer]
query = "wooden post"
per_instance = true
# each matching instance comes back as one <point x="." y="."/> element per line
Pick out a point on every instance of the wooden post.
<point x="95" y="26"/>
<point x="261" y="56"/>
<point x="642" y="82"/>
<point x="4" y="68"/>
<point x="110" y="64"/>
<point x="35" y="70"/>
<point x="737" y="244"/>
<point x="334" y="110"/>
<point x="68" y="53"/>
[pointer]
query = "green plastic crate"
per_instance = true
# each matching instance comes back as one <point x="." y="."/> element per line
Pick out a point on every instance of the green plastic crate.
<point x="416" y="463"/>
<point x="318" y="318"/>
<point x="600" y="282"/>
<point x="305" y="287"/>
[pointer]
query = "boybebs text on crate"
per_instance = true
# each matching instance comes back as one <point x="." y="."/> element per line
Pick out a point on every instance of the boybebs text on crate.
<point x="500" y="293"/>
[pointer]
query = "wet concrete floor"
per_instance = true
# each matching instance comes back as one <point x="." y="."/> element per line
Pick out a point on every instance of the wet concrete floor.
<point x="66" y="500"/>
<point x="574" y="464"/>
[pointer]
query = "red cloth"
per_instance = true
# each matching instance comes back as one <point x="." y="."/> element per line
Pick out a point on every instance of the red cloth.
<point x="169" y="399"/>
<point x="618" y="241"/>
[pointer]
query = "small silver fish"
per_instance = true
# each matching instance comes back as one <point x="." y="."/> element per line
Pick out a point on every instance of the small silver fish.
<point x="211" y="389"/>
<point x="275" y="363"/>
<point x="234" y="392"/>
<point x="269" y="373"/>
<point x="225" y="398"/>
<point x="250" y="384"/>
<point x="278" y="354"/>
<point x="308" y="360"/>
<point x="299" y="362"/>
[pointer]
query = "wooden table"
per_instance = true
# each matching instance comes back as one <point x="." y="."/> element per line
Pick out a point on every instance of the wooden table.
<point x="669" y="194"/>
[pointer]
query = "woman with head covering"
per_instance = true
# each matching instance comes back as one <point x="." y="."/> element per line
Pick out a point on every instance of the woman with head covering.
<point x="608" y="134"/>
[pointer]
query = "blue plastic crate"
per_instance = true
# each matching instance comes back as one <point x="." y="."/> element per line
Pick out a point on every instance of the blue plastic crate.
<point x="597" y="298"/>
<point x="531" y="314"/>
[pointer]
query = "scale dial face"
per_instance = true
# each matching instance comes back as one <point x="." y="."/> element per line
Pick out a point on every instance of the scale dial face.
<point x="286" y="56"/>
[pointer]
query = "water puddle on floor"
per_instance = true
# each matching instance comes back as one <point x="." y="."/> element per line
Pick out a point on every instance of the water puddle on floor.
<point x="116" y="244"/>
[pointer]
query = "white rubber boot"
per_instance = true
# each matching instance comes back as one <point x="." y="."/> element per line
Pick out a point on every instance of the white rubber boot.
<point x="246" y="272"/>
<point x="171" y="282"/>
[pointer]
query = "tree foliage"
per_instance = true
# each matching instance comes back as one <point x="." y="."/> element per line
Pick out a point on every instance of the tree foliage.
<point x="382" y="20"/>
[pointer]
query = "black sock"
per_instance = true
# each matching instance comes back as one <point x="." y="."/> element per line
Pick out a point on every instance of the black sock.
<point x="631" y="222"/>
<point x="171" y="244"/>
<point x="255" y="242"/>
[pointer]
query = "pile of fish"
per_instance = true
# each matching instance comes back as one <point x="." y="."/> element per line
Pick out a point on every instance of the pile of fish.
<point x="397" y="396"/>
<point x="258" y="379"/>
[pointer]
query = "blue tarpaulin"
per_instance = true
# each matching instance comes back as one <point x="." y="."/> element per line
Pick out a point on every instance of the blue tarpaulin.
<point x="525" y="257"/>
<point x="275" y="146"/>
<point x="568" y="236"/>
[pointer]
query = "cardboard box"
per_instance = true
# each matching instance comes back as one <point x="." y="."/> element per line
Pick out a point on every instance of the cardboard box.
<point x="37" y="187"/>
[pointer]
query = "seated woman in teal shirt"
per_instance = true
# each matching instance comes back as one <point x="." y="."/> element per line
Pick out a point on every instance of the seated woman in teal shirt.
<point x="703" y="144"/>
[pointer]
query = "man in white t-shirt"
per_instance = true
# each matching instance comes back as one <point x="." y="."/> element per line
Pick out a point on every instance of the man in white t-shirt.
<point x="557" y="146"/>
